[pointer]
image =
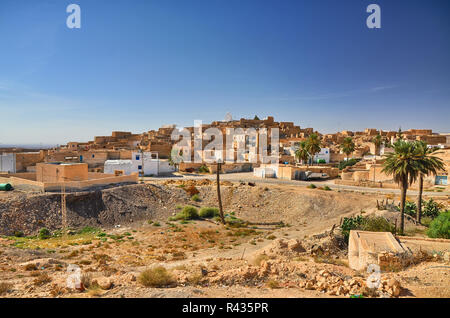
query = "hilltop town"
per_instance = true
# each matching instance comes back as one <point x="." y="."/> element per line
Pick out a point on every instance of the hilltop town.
<point x="128" y="153"/>
<point x="123" y="218"/>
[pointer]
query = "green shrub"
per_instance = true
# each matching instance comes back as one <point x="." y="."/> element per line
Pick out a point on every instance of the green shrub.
<point x="440" y="226"/>
<point x="327" y="188"/>
<point x="372" y="223"/>
<point x="351" y="223"/>
<point x="312" y="186"/>
<point x="156" y="277"/>
<point x="347" y="163"/>
<point x="195" y="198"/>
<point x="203" y="169"/>
<point x="431" y="208"/>
<point x="44" y="234"/>
<point x="411" y="208"/>
<point x="208" y="212"/>
<point x="377" y="224"/>
<point x="188" y="213"/>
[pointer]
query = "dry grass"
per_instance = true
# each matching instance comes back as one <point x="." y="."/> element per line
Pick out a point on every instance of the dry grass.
<point x="273" y="284"/>
<point x="156" y="277"/>
<point x="95" y="291"/>
<point x="195" y="279"/>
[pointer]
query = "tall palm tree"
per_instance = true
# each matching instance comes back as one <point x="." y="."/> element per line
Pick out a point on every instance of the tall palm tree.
<point x="347" y="146"/>
<point x="402" y="164"/>
<point x="302" y="152"/>
<point x="427" y="164"/>
<point x="377" y="141"/>
<point x="313" y="145"/>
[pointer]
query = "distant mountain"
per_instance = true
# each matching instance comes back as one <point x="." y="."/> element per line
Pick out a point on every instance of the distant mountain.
<point x="27" y="146"/>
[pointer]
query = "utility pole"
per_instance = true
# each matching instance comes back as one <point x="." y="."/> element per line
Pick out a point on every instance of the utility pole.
<point x="219" y="167"/>
<point x="142" y="162"/>
<point x="63" y="202"/>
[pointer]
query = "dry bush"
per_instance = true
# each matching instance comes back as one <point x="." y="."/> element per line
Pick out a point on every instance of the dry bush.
<point x="258" y="259"/>
<point x="195" y="279"/>
<point x="86" y="280"/>
<point x="273" y="284"/>
<point x="191" y="190"/>
<point x="156" y="277"/>
<point x="42" y="279"/>
<point x="30" y="267"/>
<point x="5" y="287"/>
<point x="178" y="256"/>
<point x="95" y="291"/>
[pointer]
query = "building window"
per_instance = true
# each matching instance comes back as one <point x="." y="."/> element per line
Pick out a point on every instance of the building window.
<point x="137" y="157"/>
<point x="93" y="156"/>
<point x="139" y="167"/>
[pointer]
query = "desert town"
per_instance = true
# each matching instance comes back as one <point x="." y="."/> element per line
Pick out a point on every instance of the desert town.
<point x="135" y="223"/>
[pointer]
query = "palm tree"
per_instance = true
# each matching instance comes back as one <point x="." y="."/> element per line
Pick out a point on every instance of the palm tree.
<point x="347" y="146"/>
<point x="313" y="145"/>
<point x="402" y="164"/>
<point x="427" y="164"/>
<point x="377" y="141"/>
<point x="302" y="152"/>
<point x="400" y="133"/>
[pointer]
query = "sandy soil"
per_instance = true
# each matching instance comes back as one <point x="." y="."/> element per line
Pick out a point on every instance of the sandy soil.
<point x="205" y="259"/>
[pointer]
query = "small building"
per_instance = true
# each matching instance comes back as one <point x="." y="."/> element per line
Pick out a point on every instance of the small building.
<point x="54" y="176"/>
<point x="61" y="172"/>
<point x="323" y="156"/>
<point x="144" y="163"/>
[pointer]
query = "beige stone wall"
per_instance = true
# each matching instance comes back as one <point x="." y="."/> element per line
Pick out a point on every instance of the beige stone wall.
<point x="48" y="172"/>
<point x="27" y="159"/>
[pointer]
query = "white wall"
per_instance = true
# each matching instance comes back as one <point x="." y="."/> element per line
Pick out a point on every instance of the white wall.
<point x="140" y="162"/>
<point x="8" y="162"/>
<point x="323" y="154"/>
<point x="113" y="165"/>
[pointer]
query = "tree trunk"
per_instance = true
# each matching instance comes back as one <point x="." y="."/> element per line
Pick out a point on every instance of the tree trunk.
<point x="219" y="198"/>
<point x="404" y="186"/>
<point x="419" y="200"/>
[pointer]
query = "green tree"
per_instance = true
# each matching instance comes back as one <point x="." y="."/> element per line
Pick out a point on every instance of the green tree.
<point x="347" y="146"/>
<point x="313" y="145"/>
<point x="428" y="164"/>
<point x="302" y="152"/>
<point x="402" y="164"/>
<point x="256" y="118"/>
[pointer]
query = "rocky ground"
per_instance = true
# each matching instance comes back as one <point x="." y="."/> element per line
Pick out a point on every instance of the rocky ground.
<point x="200" y="258"/>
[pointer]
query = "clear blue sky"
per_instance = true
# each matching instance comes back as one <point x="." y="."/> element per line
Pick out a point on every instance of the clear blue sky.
<point x="136" y="65"/>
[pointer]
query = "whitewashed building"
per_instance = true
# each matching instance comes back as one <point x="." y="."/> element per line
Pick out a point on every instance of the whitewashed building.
<point x="144" y="163"/>
<point x="323" y="155"/>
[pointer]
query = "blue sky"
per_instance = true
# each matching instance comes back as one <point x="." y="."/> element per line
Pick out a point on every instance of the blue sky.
<point x="136" y="65"/>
